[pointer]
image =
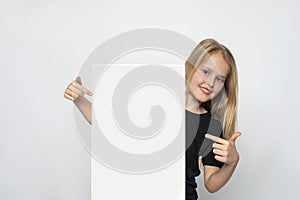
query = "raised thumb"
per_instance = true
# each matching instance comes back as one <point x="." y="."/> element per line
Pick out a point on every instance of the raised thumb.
<point x="235" y="136"/>
<point x="78" y="79"/>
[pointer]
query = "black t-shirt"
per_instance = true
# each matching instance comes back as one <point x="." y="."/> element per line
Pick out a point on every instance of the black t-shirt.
<point x="197" y="125"/>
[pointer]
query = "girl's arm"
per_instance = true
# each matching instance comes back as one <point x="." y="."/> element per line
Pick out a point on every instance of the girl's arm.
<point x="75" y="92"/>
<point x="214" y="177"/>
<point x="85" y="108"/>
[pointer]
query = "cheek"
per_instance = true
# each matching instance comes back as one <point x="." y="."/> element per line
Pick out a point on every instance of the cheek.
<point x="197" y="80"/>
<point x="218" y="89"/>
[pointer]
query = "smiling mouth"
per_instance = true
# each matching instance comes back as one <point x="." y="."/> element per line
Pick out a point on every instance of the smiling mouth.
<point x="205" y="90"/>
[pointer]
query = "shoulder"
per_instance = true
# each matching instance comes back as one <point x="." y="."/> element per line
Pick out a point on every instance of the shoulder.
<point x="215" y="126"/>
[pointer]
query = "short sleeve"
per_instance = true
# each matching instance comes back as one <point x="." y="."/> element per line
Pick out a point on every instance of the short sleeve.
<point x="209" y="159"/>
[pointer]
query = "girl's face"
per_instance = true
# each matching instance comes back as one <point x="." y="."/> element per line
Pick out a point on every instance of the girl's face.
<point x="209" y="78"/>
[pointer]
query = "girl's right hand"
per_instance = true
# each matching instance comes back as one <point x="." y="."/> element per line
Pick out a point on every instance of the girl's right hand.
<point x="75" y="90"/>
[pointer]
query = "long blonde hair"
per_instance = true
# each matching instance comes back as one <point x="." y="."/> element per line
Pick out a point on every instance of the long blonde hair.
<point x="224" y="105"/>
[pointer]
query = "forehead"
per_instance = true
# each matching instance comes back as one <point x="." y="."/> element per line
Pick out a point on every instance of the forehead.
<point x="217" y="64"/>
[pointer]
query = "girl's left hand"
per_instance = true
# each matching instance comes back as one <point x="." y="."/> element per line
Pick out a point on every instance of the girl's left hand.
<point x="225" y="150"/>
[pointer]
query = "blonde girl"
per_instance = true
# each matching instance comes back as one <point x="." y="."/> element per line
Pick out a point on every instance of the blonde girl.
<point x="211" y="95"/>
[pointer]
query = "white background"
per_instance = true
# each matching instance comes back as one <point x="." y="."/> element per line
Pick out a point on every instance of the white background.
<point x="44" y="43"/>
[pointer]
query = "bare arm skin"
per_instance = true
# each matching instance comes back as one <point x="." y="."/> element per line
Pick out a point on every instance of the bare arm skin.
<point x="215" y="178"/>
<point x="85" y="108"/>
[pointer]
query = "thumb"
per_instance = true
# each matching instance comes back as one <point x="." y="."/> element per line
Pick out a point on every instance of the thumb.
<point x="78" y="80"/>
<point x="235" y="136"/>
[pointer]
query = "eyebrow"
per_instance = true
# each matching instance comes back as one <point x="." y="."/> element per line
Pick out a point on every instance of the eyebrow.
<point x="211" y="70"/>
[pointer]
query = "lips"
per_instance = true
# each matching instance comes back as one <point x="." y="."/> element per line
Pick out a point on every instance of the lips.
<point x="205" y="90"/>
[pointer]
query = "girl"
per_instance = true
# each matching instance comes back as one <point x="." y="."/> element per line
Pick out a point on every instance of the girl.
<point x="211" y="96"/>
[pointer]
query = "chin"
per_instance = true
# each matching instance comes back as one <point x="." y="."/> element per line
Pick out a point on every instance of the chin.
<point x="203" y="99"/>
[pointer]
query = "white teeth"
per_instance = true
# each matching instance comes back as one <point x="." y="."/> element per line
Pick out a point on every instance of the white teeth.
<point x="204" y="89"/>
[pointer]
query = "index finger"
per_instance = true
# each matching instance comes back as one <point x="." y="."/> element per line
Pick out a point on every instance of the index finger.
<point x="83" y="89"/>
<point x="215" y="138"/>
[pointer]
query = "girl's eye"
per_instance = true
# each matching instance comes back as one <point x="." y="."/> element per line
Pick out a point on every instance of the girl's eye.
<point x="220" y="80"/>
<point x="205" y="72"/>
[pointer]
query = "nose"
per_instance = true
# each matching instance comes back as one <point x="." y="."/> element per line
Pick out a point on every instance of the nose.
<point x="210" y="81"/>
